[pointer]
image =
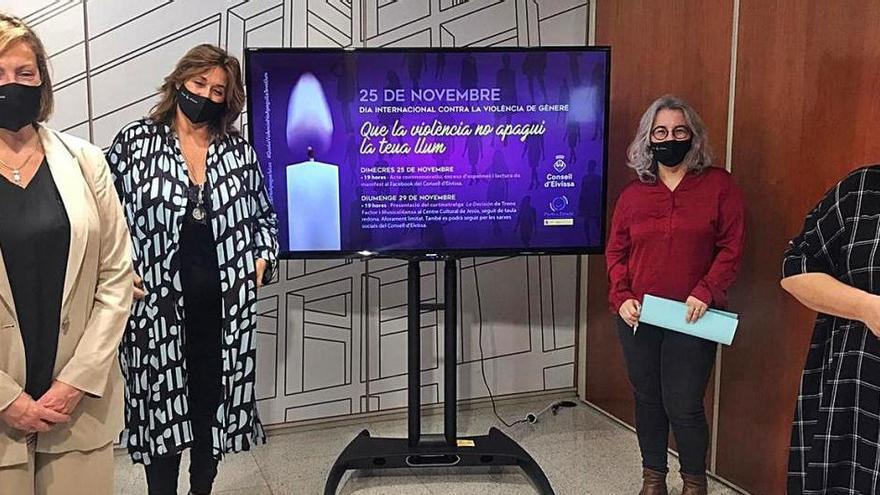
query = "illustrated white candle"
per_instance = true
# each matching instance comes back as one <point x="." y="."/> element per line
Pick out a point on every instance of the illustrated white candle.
<point x="313" y="206"/>
<point x="312" y="186"/>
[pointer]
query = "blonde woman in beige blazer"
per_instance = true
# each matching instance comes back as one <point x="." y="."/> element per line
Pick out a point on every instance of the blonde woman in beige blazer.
<point x="65" y="290"/>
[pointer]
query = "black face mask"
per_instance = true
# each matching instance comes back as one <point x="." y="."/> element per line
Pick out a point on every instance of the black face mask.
<point x="19" y="105"/>
<point x="197" y="109"/>
<point x="670" y="153"/>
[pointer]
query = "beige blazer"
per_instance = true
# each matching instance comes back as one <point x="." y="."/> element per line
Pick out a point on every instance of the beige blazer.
<point x="94" y="309"/>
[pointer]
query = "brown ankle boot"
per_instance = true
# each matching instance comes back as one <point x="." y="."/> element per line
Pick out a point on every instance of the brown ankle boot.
<point x="694" y="484"/>
<point x="653" y="482"/>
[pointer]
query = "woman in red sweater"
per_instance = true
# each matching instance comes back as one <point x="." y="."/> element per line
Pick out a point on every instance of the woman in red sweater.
<point x="677" y="233"/>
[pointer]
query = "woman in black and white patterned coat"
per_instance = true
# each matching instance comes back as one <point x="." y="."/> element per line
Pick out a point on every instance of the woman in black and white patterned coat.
<point x="205" y="237"/>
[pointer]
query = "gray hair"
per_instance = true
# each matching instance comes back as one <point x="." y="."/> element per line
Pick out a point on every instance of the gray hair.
<point x="639" y="156"/>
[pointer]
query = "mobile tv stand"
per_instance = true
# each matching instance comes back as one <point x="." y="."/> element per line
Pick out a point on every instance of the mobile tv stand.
<point x="445" y="450"/>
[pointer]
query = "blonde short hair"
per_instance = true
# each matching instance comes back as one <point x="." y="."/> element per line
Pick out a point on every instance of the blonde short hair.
<point x="14" y="30"/>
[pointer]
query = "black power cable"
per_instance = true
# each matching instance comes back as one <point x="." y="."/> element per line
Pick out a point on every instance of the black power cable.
<point x="483" y="355"/>
<point x="531" y="417"/>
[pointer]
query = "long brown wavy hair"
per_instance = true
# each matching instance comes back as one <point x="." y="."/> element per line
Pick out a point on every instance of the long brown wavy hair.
<point x="12" y="30"/>
<point x="198" y="60"/>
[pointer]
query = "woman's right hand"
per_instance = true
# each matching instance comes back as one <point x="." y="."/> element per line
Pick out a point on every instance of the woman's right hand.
<point x="630" y="311"/>
<point x="139" y="292"/>
<point x="27" y="415"/>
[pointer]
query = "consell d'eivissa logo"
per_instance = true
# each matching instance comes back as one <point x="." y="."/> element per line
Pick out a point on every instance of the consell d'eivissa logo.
<point x="559" y="180"/>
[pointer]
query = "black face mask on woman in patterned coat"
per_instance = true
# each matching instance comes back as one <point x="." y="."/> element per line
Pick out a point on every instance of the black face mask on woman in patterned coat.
<point x="197" y="109"/>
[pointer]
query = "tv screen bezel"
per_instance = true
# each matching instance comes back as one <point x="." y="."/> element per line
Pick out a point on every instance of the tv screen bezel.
<point x="454" y="253"/>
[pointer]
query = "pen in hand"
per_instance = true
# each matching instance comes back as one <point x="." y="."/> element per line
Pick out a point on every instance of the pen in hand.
<point x="639" y="314"/>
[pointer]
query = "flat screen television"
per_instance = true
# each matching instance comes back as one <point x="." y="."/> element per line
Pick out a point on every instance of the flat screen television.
<point x="421" y="152"/>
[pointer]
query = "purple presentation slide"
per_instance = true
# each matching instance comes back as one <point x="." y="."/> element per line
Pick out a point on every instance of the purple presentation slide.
<point x="432" y="151"/>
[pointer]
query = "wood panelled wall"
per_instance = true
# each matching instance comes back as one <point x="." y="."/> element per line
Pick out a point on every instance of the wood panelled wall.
<point x="691" y="64"/>
<point x="806" y="110"/>
<point x="650" y="56"/>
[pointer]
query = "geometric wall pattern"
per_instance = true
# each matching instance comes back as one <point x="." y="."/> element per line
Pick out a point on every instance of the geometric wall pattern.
<point x="332" y="334"/>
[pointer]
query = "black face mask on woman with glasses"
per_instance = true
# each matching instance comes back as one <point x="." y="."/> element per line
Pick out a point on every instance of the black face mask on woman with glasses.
<point x="19" y="105"/>
<point x="670" y="153"/>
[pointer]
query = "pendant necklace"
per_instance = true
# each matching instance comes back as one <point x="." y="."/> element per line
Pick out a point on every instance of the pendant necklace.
<point x="16" y="172"/>
<point x="198" y="212"/>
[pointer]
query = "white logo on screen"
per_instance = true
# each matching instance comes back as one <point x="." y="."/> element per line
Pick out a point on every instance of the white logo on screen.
<point x="559" y="165"/>
<point x="559" y="203"/>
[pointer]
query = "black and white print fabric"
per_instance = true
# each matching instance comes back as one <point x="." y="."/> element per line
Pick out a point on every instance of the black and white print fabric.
<point x="152" y="181"/>
<point x="835" y="446"/>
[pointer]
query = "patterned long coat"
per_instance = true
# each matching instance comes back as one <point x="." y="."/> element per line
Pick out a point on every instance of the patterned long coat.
<point x="151" y="179"/>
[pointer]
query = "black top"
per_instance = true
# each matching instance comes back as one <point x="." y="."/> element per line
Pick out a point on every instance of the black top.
<point x="35" y="239"/>
<point x="200" y="272"/>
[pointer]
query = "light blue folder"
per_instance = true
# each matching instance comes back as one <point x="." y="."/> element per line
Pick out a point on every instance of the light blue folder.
<point x="716" y="325"/>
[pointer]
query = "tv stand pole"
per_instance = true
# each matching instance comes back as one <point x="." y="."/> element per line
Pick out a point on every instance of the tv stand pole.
<point x="422" y="450"/>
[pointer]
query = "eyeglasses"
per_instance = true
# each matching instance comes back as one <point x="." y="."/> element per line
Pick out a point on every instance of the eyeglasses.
<point x="679" y="133"/>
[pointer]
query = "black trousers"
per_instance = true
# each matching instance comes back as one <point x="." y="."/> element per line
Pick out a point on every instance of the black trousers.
<point x="202" y="331"/>
<point x="669" y="372"/>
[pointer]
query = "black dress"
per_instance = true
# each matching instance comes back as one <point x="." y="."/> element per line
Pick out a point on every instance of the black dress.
<point x="835" y="443"/>
<point x="35" y="240"/>
<point x="200" y="278"/>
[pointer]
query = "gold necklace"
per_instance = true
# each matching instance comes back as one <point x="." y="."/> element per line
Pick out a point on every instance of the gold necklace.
<point x="16" y="172"/>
